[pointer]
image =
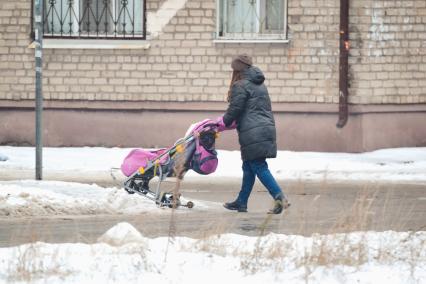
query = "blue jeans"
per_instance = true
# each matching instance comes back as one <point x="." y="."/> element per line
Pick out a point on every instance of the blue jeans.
<point x="258" y="168"/>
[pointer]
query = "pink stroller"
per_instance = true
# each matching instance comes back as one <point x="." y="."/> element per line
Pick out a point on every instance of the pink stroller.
<point x="195" y="151"/>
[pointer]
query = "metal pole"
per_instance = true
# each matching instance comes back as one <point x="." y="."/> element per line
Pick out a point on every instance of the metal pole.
<point x="38" y="34"/>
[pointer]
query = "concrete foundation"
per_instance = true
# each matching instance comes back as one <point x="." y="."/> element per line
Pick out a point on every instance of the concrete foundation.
<point x="300" y="127"/>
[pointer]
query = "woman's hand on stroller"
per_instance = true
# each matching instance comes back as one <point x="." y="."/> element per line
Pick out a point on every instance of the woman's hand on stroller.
<point x="221" y="125"/>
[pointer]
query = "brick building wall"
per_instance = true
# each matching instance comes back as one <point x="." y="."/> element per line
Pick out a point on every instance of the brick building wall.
<point x="183" y="69"/>
<point x="388" y="55"/>
<point x="387" y="59"/>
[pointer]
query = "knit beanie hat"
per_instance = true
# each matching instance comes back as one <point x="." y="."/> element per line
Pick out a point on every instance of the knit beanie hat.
<point x="241" y="62"/>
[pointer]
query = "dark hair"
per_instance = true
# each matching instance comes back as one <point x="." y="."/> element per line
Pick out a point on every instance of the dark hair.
<point x="236" y="76"/>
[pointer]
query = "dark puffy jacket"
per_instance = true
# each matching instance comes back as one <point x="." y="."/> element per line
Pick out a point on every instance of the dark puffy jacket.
<point x="250" y="107"/>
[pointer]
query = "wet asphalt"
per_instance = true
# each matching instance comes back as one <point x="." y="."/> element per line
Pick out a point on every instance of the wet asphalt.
<point x="316" y="207"/>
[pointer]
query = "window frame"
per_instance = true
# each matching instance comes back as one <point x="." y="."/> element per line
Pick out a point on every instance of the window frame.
<point x="85" y="35"/>
<point x="280" y="38"/>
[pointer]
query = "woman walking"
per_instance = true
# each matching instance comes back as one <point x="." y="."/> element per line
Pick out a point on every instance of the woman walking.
<point x="250" y="108"/>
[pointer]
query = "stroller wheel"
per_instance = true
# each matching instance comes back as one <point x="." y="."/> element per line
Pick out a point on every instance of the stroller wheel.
<point x="190" y="204"/>
<point x="129" y="191"/>
<point x="174" y="203"/>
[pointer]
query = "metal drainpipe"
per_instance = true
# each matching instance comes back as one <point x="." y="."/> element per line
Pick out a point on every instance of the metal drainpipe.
<point x="343" y="63"/>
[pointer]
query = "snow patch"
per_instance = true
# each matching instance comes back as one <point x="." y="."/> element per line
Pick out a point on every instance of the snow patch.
<point x="358" y="257"/>
<point x="31" y="198"/>
<point x="121" y="234"/>
<point x="96" y="164"/>
<point x="3" y="158"/>
<point x="39" y="198"/>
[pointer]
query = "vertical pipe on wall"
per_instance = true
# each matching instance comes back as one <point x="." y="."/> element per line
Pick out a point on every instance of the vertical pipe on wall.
<point x="343" y="63"/>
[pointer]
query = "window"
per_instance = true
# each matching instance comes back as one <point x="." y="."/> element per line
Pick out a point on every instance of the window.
<point x="95" y="19"/>
<point x="251" y="19"/>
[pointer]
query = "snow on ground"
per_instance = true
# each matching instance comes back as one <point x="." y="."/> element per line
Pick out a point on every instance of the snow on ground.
<point x="123" y="255"/>
<point x="28" y="198"/>
<point x="3" y="158"/>
<point x="36" y="198"/>
<point x="76" y="164"/>
<point x="399" y="164"/>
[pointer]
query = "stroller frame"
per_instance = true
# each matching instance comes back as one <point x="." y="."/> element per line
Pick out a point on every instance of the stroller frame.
<point x="138" y="182"/>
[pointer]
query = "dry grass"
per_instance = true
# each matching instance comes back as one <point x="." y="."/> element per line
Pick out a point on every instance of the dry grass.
<point x="31" y="263"/>
<point x="324" y="251"/>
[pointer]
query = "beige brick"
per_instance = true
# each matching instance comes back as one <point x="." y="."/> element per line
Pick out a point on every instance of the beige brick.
<point x="199" y="82"/>
<point x="293" y="83"/>
<point x="182" y="51"/>
<point x="179" y="89"/>
<point x="153" y="74"/>
<point x="161" y="82"/>
<point x="122" y="74"/>
<point x="107" y="88"/>
<point x="134" y="89"/>
<point x="116" y="81"/>
<point x="131" y="81"/>
<point x="113" y="66"/>
<point x="198" y="67"/>
<point x="100" y="81"/>
<point x="208" y="5"/>
<point x="56" y="81"/>
<point x="182" y="28"/>
<point x="177" y="82"/>
<point x="144" y="66"/>
<point x="193" y="36"/>
<point x="165" y="89"/>
<point x="197" y="29"/>
<point x="215" y="82"/>
<point x="196" y="13"/>
<point x="84" y="66"/>
<point x="303" y="90"/>
<point x="128" y="67"/>
<point x="54" y="66"/>
<point x="160" y="67"/>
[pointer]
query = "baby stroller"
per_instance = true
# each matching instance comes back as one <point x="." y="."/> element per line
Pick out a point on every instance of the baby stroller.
<point x="195" y="151"/>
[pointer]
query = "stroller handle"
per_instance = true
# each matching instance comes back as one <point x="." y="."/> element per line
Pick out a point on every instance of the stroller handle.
<point x="182" y="141"/>
<point x="187" y="139"/>
<point x="210" y="125"/>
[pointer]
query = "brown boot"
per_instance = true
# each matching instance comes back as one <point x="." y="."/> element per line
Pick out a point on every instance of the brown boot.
<point x="279" y="206"/>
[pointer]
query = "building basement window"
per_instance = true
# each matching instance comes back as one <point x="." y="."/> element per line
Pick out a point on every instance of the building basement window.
<point x="94" y="19"/>
<point x="251" y="20"/>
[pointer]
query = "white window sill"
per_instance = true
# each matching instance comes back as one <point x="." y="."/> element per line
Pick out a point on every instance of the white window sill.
<point x="251" y="41"/>
<point x="49" y="43"/>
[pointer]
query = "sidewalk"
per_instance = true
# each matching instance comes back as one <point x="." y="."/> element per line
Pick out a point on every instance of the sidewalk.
<point x="102" y="165"/>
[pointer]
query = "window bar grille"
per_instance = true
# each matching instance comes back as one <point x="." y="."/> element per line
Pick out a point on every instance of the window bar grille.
<point x="123" y="10"/>
<point x="133" y="17"/>
<point x="116" y="19"/>
<point x="89" y="19"/>
<point x="61" y="21"/>
<point x="251" y="19"/>
<point x="70" y="10"/>
<point x="104" y="11"/>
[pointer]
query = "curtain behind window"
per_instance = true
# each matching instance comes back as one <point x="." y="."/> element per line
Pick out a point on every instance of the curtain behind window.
<point x="61" y="16"/>
<point x="251" y="18"/>
<point x="274" y="20"/>
<point x="129" y="12"/>
<point x="96" y="17"/>
<point x="241" y="16"/>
